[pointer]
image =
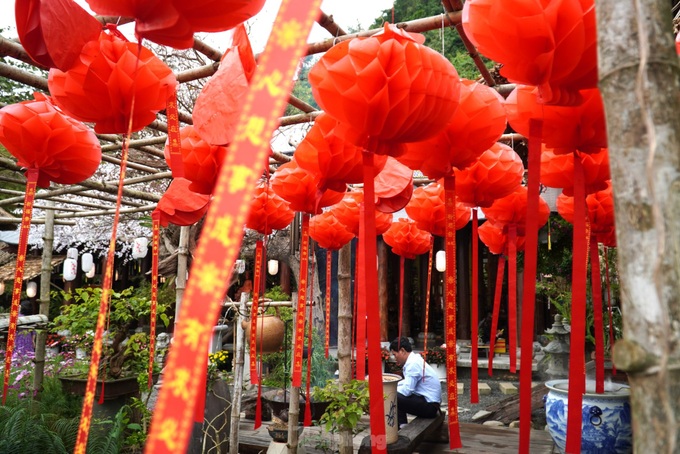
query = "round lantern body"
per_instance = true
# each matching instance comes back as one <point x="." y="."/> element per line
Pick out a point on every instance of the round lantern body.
<point x="70" y="269"/>
<point x="440" y="261"/>
<point x="140" y="247"/>
<point x="86" y="262"/>
<point x="428" y="210"/>
<point x="268" y="211"/>
<point x="495" y="237"/>
<point x="181" y="206"/>
<point x="201" y="161"/>
<point x="300" y="189"/>
<point x="273" y="267"/>
<point x="497" y="173"/>
<point x="72" y="253"/>
<point x="328" y="232"/>
<point x="600" y="210"/>
<point x="388" y="87"/>
<point x="40" y="136"/>
<point x="349" y="210"/>
<point x="406" y="239"/>
<point x="393" y="186"/>
<point x="557" y="170"/>
<point x="101" y="86"/>
<point x="31" y="289"/>
<point x="90" y="274"/>
<point x="512" y="209"/>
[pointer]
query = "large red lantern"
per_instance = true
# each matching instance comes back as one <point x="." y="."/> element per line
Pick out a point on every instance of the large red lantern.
<point x="512" y="209"/>
<point x="552" y="45"/>
<point x="109" y="75"/>
<point x="388" y="87"/>
<point x="495" y="237"/>
<point x="41" y="137"/>
<point x="557" y="170"/>
<point x="53" y="32"/>
<point x="300" y="189"/>
<point x="393" y="186"/>
<point x="329" y="151"/>
<point x="179" y="205"/>
<point x="200" y="160"/>
<point x="348" y="211"/>
<point x="406" y="239"/>
<point x="476" y="125"/>
<point x="328" y="232"/>
<point x="174" y="22"/>
<point x="600" y="210"/>
<point x="497" y="173"/>
<point x="428" y="210"/>
<point x="268" y="211"/>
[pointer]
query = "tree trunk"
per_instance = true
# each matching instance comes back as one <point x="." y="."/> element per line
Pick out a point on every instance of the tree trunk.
<point x="345" y="331"/>
<point x="238" y="377"/>
<point x="182" y="268"/>
<point x="638" y="70"/>
<point x="45" y="273"/>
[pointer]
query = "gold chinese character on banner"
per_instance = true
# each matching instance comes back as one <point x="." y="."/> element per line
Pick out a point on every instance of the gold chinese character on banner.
<point x="191" y="330"/>
<point x="272" y="82"/>
<point x="253" y="131"/>
<point x="238" y="178"/>
<point x="179" y="382"/>
<point x="289" y="34"/>
<point x="209" y="276"/>
<point x="168" y="433"/>
<point x="222" y="231"/>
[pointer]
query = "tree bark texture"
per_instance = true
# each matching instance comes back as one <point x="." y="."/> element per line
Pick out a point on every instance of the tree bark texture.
<point x="638" y="71"/>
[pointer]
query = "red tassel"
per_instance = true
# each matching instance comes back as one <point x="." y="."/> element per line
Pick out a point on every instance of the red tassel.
<point x="496" y="310"/>
<point x="512" y="296"/>
<point x="258" y="408"/>
<point x="474" y="372"/>
<point x="101" y="394"/>
<point x="427" y="298"/>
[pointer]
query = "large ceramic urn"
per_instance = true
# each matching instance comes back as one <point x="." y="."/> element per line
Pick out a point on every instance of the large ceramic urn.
<point x="269" y="334"/>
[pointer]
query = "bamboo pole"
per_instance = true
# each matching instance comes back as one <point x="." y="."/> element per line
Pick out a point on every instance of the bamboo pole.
<point x="238" y="377"/>
<point x="182" y="268"/>
<point x="330" y="25"/>
<point x="345" y="332"/>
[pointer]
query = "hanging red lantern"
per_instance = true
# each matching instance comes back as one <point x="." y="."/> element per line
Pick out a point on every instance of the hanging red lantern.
<point x="552" y="45"/>
<point x="565" y="128"/>
<point x="427" y="209"/>
<point x="109" y="74"/>
<point x="557" y="170"/>
<point x="497" y="173"/>
<point x="41" y="137"/>
<point x="219" y="103"/>
<point x="393" y="186"/>
<point x="512" y="209"/>
<point x="495" y="237"/>
<point x="300" y="189"/>
<point x="476" y="125"/>
<point x="328" y="232"/>
<point x="328" y="151"/>
<point x="200" y="160"/>
<point x="406" y="239"/>
<point x="54" y="32"/>
<point x="179" y="205"/>
<point x="387" y="87"/>
<point x="268" y="211"/>
<point x="173" y="23"/>
<point x="600" y="210"/>
<point x="348" y="210"/>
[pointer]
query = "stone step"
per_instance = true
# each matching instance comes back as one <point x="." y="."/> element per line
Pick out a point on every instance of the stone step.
<point x="484" y="389"/>
<point x="507" y="388"/>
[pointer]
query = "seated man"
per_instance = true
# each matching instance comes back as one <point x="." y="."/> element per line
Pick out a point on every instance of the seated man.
<point x="416" y="394"/>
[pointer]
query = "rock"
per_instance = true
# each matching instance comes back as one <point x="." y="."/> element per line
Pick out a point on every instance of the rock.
<point x="514" y="425"/>
<point x="480" y="414"/>
<point x="493" y="423"/>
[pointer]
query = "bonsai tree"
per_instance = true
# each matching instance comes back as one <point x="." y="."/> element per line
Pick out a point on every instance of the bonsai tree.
<point x="124" y="351"/>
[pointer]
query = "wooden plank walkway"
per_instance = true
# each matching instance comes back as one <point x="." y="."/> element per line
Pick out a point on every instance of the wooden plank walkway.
<point x="477" y="439"/>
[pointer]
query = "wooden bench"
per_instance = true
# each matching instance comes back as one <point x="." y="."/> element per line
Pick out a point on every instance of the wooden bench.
<point x="418" y="430"/>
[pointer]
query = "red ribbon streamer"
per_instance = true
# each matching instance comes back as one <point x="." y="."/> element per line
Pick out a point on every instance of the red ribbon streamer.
<point x="29" y="197"/>
<point x="327" y="328"/>
<point x="174" y="140"/>
<point x="450" y="310"/>
<point x="578" y="312"/>
<point x="361" y="352"/>
<point x="496" y="310"/>
<point x="155" y="247"/>
<point x="299" y="339"/>
<point x="512" y="296"/>
<point x="199" y="412"/>
<point x="401" y="293"/>
<point x="598" y="323"/>
<point x="427" y="297"/>
<point x="529" y="287"/>
<point x="223" y="229"/>
<point x="474" y="372"/>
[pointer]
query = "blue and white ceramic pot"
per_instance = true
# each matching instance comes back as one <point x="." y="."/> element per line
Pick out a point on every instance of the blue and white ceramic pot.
<point x="606" y="418"/>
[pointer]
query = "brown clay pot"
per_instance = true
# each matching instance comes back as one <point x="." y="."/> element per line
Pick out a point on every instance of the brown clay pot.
<point x="270" y="332"/>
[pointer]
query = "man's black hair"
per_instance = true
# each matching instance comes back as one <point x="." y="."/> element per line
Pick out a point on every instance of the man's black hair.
<point x="401" y="342"/>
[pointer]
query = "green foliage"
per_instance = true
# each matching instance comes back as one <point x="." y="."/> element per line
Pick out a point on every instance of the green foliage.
<point x="302" y="88"/>
<point x="11" y="91"/>
<point x="276" y="293"/>
<point x="347" y="404"/>
<point x="435" y="355"/>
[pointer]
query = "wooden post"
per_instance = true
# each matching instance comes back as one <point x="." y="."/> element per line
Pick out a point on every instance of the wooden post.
<point x="345" y="331"/>
<point x="45" y="275"/>
<point x="294" y="399"/>
<point x="182" y="268"/>
<point x="239" y="353"/>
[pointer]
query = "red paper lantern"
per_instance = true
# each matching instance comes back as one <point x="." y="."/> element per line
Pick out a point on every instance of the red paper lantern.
<point x="600" y="210"/>
<point x="495" y="237"/>
<point x="393" y="186"/>
<point x="552" y="45"/>
<point x="512" y="209"/>
<point x="174" y="22"/>
<point x="179" y="205"/>
<point x="388" y="87"/>
<point x="428" y="210"/>
<point x="53" y="32"/>
<point x="41" y="137"/>
<point x="101" y="85"/>
<point x="300" y="189"/>
<point x="476" y="125"/>
<point x="497" y="173"/>
<point x="328" y="151"/>
<point x="581" y="127"/>
<point x="328" y="232"/>
<point x="218" y="106"/>
<point x="348" y="210"/>
<point x="406" y="239"/>
<point x="201" y="161"/>
<point x="268" y="211"/>
<point x="557" y="170"/>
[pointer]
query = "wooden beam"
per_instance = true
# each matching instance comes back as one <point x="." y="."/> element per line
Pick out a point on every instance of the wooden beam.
<point x="6" y="220"/>
<point x="330" y="25"/>
<point x="86" y="214"/>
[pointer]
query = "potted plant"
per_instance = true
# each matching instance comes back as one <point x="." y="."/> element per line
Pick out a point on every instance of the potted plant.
<point x="346" y="404"/>
<point x="436" y="357"/>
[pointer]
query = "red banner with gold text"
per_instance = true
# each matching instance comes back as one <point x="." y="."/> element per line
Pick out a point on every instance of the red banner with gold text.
<point x="174" y="139"/>
<point x="155" y="245"/>
<point x="257" y="283"/>
<point x="299" y="337"/>
<point x="223" y="229"/>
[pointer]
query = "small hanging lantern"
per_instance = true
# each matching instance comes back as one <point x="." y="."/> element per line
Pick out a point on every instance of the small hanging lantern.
<point x="90" y="274"/>
<point x="140" y="247"/>
<point x="86" y="262"/>
<point x="240" y="266"/>
<point x="2" y="287"/>
<point x="72" y="253"/>
<point x="70" y="269"/>
<point x="31" y="289"/>
<point x="273" y="267"/>
<point x="440" y="261"/>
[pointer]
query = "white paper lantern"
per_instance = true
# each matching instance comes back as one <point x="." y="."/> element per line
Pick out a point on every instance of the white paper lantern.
<point x="70" y="269"/>
<point x="31" y="289"/>
<point x="2" y="287"/>
<point x="72" y="253"/>
<point x="86" y="262"/>
<point x="90" y="274"/>
<point x="140" y="247"/>
<point x="440" y="261"/>
<point x="273" y="267"/>
<point x="240" y="266"/>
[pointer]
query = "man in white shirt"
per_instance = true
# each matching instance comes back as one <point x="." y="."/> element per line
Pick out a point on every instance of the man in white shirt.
<point x="420" y="392"/>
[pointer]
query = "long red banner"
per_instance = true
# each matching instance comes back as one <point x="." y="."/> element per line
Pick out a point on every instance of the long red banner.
<point x="299" y="336"/>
